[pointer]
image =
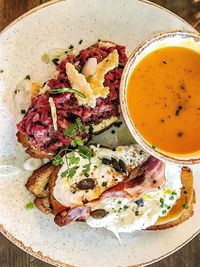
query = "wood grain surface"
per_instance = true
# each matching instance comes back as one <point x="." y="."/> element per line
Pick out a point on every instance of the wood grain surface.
<point x="10" y="255"/>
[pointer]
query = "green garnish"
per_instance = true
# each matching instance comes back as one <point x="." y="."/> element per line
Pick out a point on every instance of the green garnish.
<point x="85" y="152"/>
<point x="171" y="198"/>
<point x="57" y="160"/>
<point x="159" y="187"/>
<point x="153" y="146"/>
<point x="104" y="184"/>
<point x="86" y="169"/>
<point x="174" y="193"/>
<point x="126" y="207"/>
<point x="77" y="142"/>
<point x="69" y="173"/>
<point x="185" y="206"/>
<point x="67" y="90"/>
<point x="23" y="111"/>
<point x="161" y="200"/>
<point x="136" y="213"/>
<point x="119" y="202"/>
<point x="71" y="130"/>
<point x="74" y="160"/>
<point x="164" y="212"/>
<point x="45" y="58"/>
<point x="154" y="181"/>
<point x="30" y="205"/>
<point x="168" y="207"/>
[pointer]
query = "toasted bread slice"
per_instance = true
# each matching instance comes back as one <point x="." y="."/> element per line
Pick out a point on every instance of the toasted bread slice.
<point x="183" y="209"/>
<point x="56" y="206"/>
<point x="42" y="203"/>
<point x="31" y="150"/>
<point x="38" y="182"/>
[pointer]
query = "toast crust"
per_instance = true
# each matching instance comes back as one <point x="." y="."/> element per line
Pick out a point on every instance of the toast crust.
<point x="178" y="214"/>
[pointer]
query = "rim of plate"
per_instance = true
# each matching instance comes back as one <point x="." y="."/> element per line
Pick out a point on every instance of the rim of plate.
<point x="123" y="91"/>
<point x="38" y="254"/>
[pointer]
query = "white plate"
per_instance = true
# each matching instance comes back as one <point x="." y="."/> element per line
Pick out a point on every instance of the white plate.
<point x="21" y="45"/>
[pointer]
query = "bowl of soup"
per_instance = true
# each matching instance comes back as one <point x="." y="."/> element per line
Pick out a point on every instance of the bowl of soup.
<point x="160" y="96"/>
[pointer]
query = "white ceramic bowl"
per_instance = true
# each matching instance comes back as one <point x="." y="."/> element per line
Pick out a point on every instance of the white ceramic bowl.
<point x="185" y="39"/>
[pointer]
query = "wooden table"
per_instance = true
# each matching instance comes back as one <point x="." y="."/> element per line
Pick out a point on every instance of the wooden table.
<point x="10" y="255"/>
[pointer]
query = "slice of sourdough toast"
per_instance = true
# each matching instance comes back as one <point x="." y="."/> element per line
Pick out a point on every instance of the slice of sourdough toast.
<point x="183" y="209"/>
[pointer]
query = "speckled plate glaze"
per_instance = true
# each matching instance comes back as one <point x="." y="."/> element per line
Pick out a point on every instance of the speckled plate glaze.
<point x="58" y="24"/>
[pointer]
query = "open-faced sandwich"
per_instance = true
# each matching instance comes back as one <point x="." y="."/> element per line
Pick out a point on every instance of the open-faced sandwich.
<point x="84" y="89"/>
<point x="122" y="189"/>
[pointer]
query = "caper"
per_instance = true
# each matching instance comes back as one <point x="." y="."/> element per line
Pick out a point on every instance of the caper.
<point x="115" y="164"/>
<point x="122" y="165"/>
<point x="99" y="213"/>
<point x="106" y="161"/>
<point x="86" y="184"/>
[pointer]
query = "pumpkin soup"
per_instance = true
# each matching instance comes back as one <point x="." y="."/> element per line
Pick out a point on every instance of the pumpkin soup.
<point x="163" y="98"/>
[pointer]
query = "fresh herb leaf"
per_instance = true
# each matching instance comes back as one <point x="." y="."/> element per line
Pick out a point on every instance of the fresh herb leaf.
<point x="78" y="122"/>
<point x="125" y="207"/>
<point x="185" y="206"/>
<point x="57" y="160"/>
<point x="71" y="130"/>
<point x="30" y="206"/>
<point x="171" y="198"/>
<point x="153" y="146"/>
<point x="86" y="168"/>
<point x="77" y="142"/>
<point x="67" y="90"/>
<point x="45" y="58"/>
<point x="69" y="173"/>
<point x="74" y="160"/>
<point x="85" y="152"/>
<point x="164" y="212"/>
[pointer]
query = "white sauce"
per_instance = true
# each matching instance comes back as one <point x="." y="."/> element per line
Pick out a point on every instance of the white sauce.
<point x="99" y="172"/>
<point x="32" y="164"/>
<point x="126" y="216"/>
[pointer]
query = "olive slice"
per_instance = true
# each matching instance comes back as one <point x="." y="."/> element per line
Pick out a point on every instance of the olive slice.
<point x="115" y="165"/>
<point x="122" y="165"/>
<point x="106" y="161"/>
<point x="99" y="213"/>
<point x="86" y="184"/>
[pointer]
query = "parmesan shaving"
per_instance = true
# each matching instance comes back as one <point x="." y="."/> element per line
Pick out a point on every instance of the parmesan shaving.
<point x="93" y="88"/>
<point x="96" y="81"/>
<point x="53" y="113"/>
<point x="79" y="82"/>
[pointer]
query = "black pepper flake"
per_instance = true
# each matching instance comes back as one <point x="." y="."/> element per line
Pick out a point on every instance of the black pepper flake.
<point x="104" y="184"/>
<point x="185" y="192"/>
<point x="99" y="40"/>
<point x="1" y="71"/>
<point x="55" y="61"/>
<point x="113" y="132"/>
<point x="28" y="77"/>
<point x="80" y="42"/>
<point x="182" y="86"/>
<point x="164" y="62"/>
<point x="23" y="111"/>
<point x="178" y="110"/>
<point x="154" y="181"/>
<point x="117" y="124"/>
<point x="71" y="47"/>
<point x="179" y="134"/>
<point x="140" y="202"/>
<point x="162" y="120"/>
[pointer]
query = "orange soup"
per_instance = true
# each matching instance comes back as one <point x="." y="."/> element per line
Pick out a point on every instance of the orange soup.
<point x="163" y="98"/>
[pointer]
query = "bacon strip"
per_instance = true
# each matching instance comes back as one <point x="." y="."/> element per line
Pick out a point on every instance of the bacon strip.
<point x="67" y="216"/>
<point x="148" y="176"/>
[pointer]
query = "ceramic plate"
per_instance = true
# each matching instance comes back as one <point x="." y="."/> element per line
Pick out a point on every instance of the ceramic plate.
<point x="58" y="24"/>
